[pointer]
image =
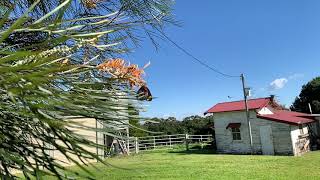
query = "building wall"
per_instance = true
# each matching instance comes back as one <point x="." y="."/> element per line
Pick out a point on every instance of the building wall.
<point x="91" y="135"/>
<point x="266" y="110"/>
<point x="280" y="132"/>
<point x="88" y="134"/>
<point x="295" y="133"/>
<point x="315" y="127"/>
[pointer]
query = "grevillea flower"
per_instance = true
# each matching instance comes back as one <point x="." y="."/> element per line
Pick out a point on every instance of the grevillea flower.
<point x="120" y="69"/>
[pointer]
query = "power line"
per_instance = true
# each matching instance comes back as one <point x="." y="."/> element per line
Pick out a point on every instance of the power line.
<point x="223" y="74"/>
<point x="195" y="58"/>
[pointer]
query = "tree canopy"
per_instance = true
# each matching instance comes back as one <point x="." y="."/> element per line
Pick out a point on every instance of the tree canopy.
<point x="169" y="126"/>
<point x="310" y="93"/>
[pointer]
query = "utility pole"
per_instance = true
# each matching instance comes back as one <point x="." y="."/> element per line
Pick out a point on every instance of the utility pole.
<point x="310" y="109"/>
<point x="245" y="94"/>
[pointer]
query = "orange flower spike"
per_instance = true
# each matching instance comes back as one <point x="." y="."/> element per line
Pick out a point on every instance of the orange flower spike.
<point x="118" y="68"/>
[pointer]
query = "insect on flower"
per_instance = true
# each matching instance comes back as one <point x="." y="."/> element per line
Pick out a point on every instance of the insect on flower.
<point x="128" y="72"/>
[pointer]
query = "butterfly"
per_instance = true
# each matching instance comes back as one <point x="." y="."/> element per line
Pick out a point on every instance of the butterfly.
<point x="144" y="94"/>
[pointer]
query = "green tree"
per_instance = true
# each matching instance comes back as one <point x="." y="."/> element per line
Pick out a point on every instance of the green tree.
<point x="136" y="128"/>
<point x="191" y="125"/>
<point x="45" y="81"/>
<point x="310" y="93"/>
<point x="167" y="126"/>
<point x="198" y="125"/>
<point x="171" y="126"/>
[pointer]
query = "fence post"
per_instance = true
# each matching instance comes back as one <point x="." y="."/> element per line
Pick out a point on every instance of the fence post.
<point x="137" y="145"/>
<point x="128" y="145"/>
<point x="154" y="142"/>
<point x="187" y="141"/>
<point x="170" y="141"/>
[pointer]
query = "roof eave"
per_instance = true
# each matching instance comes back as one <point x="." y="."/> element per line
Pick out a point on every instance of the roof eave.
<point x="281" y="121"/>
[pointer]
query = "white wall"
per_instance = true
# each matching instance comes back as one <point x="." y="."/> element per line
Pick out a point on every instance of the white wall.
<point x="265" y="110"/>
<point x="86" y="133"/>
<point x="280" y="131"/>
<point x="223" y="136"/>
<point x="295" y="132"/>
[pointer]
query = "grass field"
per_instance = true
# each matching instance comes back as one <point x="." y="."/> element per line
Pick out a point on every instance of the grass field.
<point x="177" y="164"/>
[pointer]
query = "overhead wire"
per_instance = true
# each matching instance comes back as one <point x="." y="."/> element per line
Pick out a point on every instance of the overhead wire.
<point x="195" y="58"/>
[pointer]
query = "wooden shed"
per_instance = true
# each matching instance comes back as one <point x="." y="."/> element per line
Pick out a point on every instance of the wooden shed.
<point x="274" y="130"/>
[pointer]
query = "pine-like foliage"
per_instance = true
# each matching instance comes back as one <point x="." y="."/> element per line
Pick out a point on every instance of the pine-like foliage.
<point x="50" y="52"/>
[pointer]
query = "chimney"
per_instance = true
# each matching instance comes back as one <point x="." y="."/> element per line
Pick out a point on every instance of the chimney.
<point x="272" y="98"/>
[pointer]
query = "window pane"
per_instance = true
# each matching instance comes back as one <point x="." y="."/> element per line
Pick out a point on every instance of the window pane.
<point x="236" y="133"/>
<point x="238" y="136"/>
<point x="234" y="136"/>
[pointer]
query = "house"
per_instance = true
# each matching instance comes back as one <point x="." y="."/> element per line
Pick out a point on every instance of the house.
<point x="274" y="129"/>
<point x="94" y="133"/>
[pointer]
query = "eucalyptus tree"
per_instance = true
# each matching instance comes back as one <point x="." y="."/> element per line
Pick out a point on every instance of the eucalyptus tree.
<point x="56" y="61"/>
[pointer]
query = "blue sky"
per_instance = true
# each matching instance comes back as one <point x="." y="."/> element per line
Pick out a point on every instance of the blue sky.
<point x="269" y="41"/>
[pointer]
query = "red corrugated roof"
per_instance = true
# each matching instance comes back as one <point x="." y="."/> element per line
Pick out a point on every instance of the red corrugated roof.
<point x="284" y="116"/>
<point x="239" y="105"/>
<point x="288" y="117"/>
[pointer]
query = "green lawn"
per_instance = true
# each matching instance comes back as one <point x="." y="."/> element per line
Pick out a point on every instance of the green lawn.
<point x="176" y="164"/>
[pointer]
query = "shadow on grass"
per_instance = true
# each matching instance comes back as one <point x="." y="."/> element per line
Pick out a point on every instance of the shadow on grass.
<point x="195" y="150"/>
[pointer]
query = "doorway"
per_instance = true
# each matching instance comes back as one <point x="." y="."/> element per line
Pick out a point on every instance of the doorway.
<point x="266" y="140"/>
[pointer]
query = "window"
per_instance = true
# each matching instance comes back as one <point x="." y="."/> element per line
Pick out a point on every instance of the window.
<point x="236" y="135"/>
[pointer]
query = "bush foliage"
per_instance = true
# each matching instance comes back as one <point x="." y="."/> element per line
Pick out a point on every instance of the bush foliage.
<point x="196" y="125"/>
<point x="50" y="52"/>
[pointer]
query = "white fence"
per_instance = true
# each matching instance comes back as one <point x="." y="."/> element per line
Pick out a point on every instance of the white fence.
<point x="137" y="144"/>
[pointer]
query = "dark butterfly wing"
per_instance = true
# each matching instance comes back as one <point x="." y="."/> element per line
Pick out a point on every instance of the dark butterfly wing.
<point x="144" y="94"/>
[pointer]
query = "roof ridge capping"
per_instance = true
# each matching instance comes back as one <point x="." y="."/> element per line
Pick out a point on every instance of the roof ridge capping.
<point x="256" y="103"/>
<point x="243" y="100"/>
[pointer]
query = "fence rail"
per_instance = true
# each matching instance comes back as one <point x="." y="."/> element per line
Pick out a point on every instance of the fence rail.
<point x="137" y="144"/>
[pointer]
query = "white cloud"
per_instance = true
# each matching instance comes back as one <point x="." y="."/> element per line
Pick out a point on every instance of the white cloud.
<point x="278" y="84"/>
<point x="296" y="76"/>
